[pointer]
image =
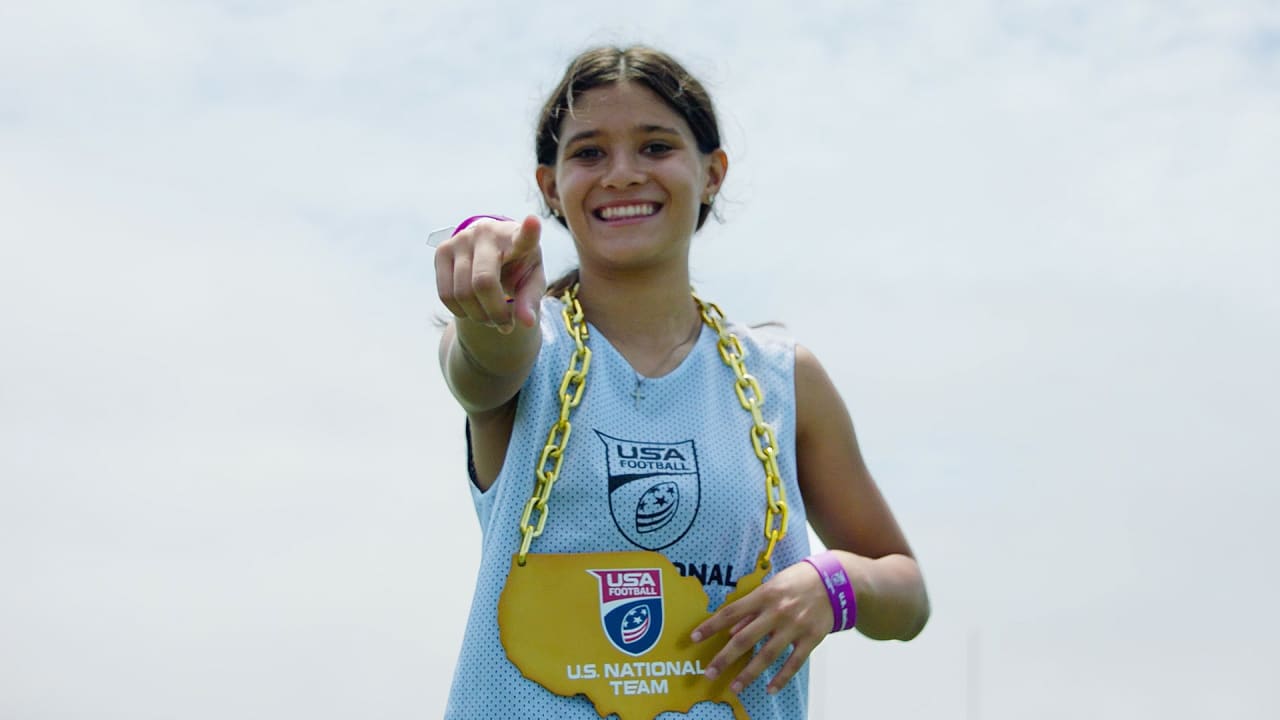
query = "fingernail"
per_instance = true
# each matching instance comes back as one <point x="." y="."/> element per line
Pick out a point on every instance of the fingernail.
<point x="736" y="687"/>
<point x="697" y="636"/>
<point x="772" y="690"/>
<point x="711" y="673"/>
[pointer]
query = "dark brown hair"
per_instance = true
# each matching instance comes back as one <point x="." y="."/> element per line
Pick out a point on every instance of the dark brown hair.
<point x="651" y="68"/>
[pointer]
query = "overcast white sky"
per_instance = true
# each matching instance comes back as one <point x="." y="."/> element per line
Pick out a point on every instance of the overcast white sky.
<point x="1036" y="245"/>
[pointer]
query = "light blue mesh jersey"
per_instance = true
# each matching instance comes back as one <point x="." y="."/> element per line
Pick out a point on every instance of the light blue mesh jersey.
<point x="668" y="468"/>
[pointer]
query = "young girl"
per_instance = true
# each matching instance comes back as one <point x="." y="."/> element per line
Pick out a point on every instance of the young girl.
<point x="617" y="417"/>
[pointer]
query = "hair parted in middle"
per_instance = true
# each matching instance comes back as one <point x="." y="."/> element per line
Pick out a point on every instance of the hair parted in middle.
<point x="651" y="68"/>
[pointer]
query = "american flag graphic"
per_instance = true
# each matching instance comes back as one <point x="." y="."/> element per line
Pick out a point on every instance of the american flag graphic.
<point x="635" y="624"/>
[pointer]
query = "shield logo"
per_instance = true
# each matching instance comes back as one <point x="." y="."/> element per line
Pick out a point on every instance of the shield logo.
<point x="631" y="608"/>
<point x="654" y="489"/>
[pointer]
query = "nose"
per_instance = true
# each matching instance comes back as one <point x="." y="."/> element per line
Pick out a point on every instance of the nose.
<point x="621" y="172"/>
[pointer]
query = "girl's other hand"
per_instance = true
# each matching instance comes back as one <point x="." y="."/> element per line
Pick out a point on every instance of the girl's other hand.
<point x="790" y="610"/>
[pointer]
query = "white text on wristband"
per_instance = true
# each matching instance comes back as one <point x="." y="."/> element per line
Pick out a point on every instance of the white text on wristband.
<point x="844" y="606"/>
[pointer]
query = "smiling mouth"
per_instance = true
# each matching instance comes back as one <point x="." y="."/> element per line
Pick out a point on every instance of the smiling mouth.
<point x="627" y="212"/>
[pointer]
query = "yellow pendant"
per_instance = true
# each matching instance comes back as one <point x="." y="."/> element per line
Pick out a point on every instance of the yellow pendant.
<point x="615" y="627"/>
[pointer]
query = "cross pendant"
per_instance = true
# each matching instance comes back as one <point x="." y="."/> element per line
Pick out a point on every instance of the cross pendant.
<point x="638" y="394"/>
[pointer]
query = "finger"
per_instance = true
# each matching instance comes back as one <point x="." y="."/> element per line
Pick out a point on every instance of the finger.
<point x="523" y="270"/>
<point x="444" y="283"/>
<point x="772" y="650"/>
<point x="801" y="649"/>
<point x="737" y="628"/>
<point x="726" y="617"/>
<point x="464" y="293"/>
<point x="738" y="645"/>
<point x="486" y="284"/>
<point x="526" y="239"/>
<point x="529" y="289"/>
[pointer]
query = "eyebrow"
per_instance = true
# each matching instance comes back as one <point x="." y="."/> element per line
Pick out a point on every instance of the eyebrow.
<point x="588" y="134"/>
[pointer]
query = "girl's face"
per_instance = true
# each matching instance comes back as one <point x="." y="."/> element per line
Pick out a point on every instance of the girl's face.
<point x="629" y="178"/>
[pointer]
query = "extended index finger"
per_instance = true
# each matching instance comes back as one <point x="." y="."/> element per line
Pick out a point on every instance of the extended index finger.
<point x="526" y="240"/>
<point x="524" y="261"/>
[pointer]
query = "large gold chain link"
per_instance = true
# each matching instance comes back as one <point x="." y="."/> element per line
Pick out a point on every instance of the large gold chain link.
<point x="571" y="387"/>
<point x="763" y="440"/>
<point x="750" y="396"/>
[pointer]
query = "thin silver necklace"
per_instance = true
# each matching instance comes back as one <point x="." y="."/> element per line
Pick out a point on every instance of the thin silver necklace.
<point x="638" y="392"/>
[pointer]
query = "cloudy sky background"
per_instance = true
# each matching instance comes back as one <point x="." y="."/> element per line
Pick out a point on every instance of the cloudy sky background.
<point x="1034" y="243"/>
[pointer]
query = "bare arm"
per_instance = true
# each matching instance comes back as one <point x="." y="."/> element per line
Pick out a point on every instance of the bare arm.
<point x="484" y="368"/>
<point x="847" y="511"/>
<point x="850" y="515"/>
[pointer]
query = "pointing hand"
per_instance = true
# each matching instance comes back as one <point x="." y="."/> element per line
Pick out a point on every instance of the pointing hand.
<point x="491" y="273"/>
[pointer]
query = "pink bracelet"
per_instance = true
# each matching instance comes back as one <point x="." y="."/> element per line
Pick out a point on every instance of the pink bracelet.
<point x="844" y="606"/>
<point x="463" y="225"/>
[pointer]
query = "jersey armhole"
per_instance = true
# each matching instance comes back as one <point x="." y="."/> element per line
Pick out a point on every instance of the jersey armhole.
<point x="471" y="458"/>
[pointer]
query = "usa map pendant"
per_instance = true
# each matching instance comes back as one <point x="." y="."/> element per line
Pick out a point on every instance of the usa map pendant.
<point x="615" y="627"/>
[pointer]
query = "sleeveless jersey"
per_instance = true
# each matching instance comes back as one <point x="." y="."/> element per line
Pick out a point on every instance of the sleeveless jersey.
<point x="662" y="464"/>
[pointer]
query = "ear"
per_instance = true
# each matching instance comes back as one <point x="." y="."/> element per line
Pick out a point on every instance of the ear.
<point x="717" y="165"/>
<point x="546" y="176"/>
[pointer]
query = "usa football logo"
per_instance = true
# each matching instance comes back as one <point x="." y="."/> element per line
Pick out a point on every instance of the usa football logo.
<point x="654" y="489"/>
<point x="631" y="608"/>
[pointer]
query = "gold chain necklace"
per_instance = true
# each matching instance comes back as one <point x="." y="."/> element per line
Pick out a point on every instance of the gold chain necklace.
<point x="750" y="396"/>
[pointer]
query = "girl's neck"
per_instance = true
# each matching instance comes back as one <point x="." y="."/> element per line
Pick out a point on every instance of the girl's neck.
<point x="650" y="319"/>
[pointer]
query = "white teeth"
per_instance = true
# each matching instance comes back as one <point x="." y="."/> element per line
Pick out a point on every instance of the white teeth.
<point x="627" y="211"/>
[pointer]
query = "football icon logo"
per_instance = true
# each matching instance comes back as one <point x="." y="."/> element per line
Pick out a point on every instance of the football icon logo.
<point x="631" y="608"/>
<point x="657" y="506"/>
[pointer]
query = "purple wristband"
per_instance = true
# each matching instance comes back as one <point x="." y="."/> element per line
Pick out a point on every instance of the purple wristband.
<point x="465" y="223"/>
<point x="844" y="607"/>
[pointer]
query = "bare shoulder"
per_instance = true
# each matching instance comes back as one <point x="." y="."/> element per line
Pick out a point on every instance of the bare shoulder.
<point x="844" y="505"/>
<point x="812" y="381"/>
<point x="821" y="414"/>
